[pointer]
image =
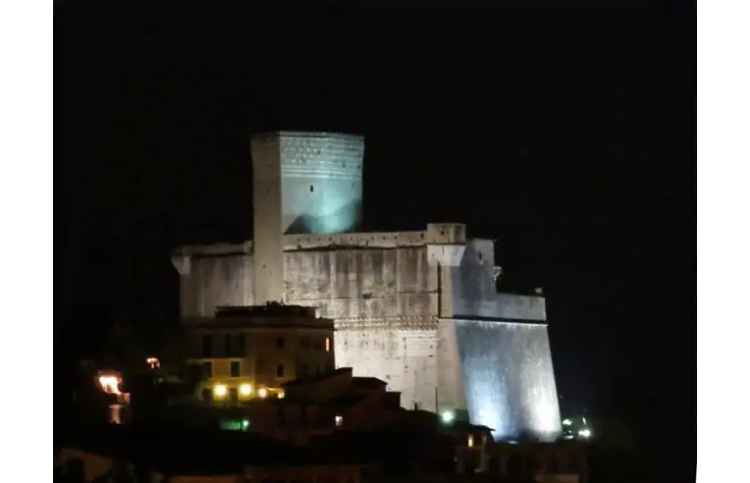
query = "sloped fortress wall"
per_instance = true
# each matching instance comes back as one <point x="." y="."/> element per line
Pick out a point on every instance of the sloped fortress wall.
<point x="508" y="378"/>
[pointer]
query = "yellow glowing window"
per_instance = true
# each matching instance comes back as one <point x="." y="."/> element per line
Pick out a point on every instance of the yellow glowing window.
<point x="470" y="442"/>
<point x="246" y="389"/>
<point x="328" y="344"/>
<point x="339" y="420"/>
<point x="263" y="392"/>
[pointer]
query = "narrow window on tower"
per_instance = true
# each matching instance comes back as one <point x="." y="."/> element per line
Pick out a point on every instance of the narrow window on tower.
<point x="235" y="369"/>
<point x="312" y="188"/>
<point x="228" y="345"/>
<point x="328" y="344"/>
<point x="280" y="370"/>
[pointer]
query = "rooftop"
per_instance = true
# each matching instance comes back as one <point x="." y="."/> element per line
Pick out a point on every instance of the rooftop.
<point x="271" y="309"/>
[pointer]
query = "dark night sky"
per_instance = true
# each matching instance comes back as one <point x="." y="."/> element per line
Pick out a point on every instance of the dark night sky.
<point x="569" y="136"/>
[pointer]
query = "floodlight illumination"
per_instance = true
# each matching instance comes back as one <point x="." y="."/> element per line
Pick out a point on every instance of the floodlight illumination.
<point x="263" y="392"/>
<point x="584" y="433"/>
<point x="280" y="394"/>
<point x="567" y="422"/>
<point x="246" y="389"/>
<point x="220" y="390"/>
<point x="447" y="416"/>
<point x="339" y="420"/>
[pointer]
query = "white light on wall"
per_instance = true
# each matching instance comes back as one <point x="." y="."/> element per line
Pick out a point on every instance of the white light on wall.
<point x="263" y="392"/>
<point x="447" y="416"/>
<point x="584" y="433"/>
<point x="567" y="422"/>
<point x="339" y="420"/>
<point x="470" y="442"/>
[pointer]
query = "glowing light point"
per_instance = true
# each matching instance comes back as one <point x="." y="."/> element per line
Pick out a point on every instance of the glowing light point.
<point x="245" y="424"/>
<point x="339" y="420"/>
<point x="263" y="392"/>
<point x="152" y="363"/>
<point x="246" y="389"/>
<point x="584" y="433"/>
<point x="470" y="442"/>
<point x="220" y="390"/>
<point x="280" y="394"/>
<point x="447" y="416"/>
<point x="567" y="422"/>
<point x="110" y="384"/>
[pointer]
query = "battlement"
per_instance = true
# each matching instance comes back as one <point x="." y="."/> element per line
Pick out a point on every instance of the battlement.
<point x="439" y="234"/>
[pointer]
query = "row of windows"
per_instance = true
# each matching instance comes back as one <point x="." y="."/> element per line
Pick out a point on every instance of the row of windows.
<point x="207" y="369"/>
<point x="237" y="348"/>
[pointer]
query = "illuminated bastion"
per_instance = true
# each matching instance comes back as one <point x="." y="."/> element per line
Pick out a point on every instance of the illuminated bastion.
<point x="417" y="309"/>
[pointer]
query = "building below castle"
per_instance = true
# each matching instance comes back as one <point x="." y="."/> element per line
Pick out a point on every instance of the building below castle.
<point x="418" y="310"/>
<point x="245" y="353"/>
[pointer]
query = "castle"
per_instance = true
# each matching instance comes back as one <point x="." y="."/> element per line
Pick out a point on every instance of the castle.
<point x="417" y="309"/>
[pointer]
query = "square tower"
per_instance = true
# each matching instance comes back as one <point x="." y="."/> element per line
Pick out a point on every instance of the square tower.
<point x="302" y="183"/>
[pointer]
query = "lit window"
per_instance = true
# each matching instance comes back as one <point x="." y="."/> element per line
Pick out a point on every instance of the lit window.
<point x="339" y="420"/>
<point x="220" y="390"/>
<point x="470" y="442"/>
<point x="152" y="363"/>
<point x="328" y="344"/>
<point x="281" y="394"/>
<point x="263" y="392"/>
<point x="246" y="389"/>
<point x="110" y="384"/>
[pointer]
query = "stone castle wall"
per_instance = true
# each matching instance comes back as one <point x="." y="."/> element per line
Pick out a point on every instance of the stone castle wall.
<point x="385" y="304"/>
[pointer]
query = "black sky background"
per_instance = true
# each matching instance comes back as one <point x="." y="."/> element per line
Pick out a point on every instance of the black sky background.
<point x="567" y="135"/>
